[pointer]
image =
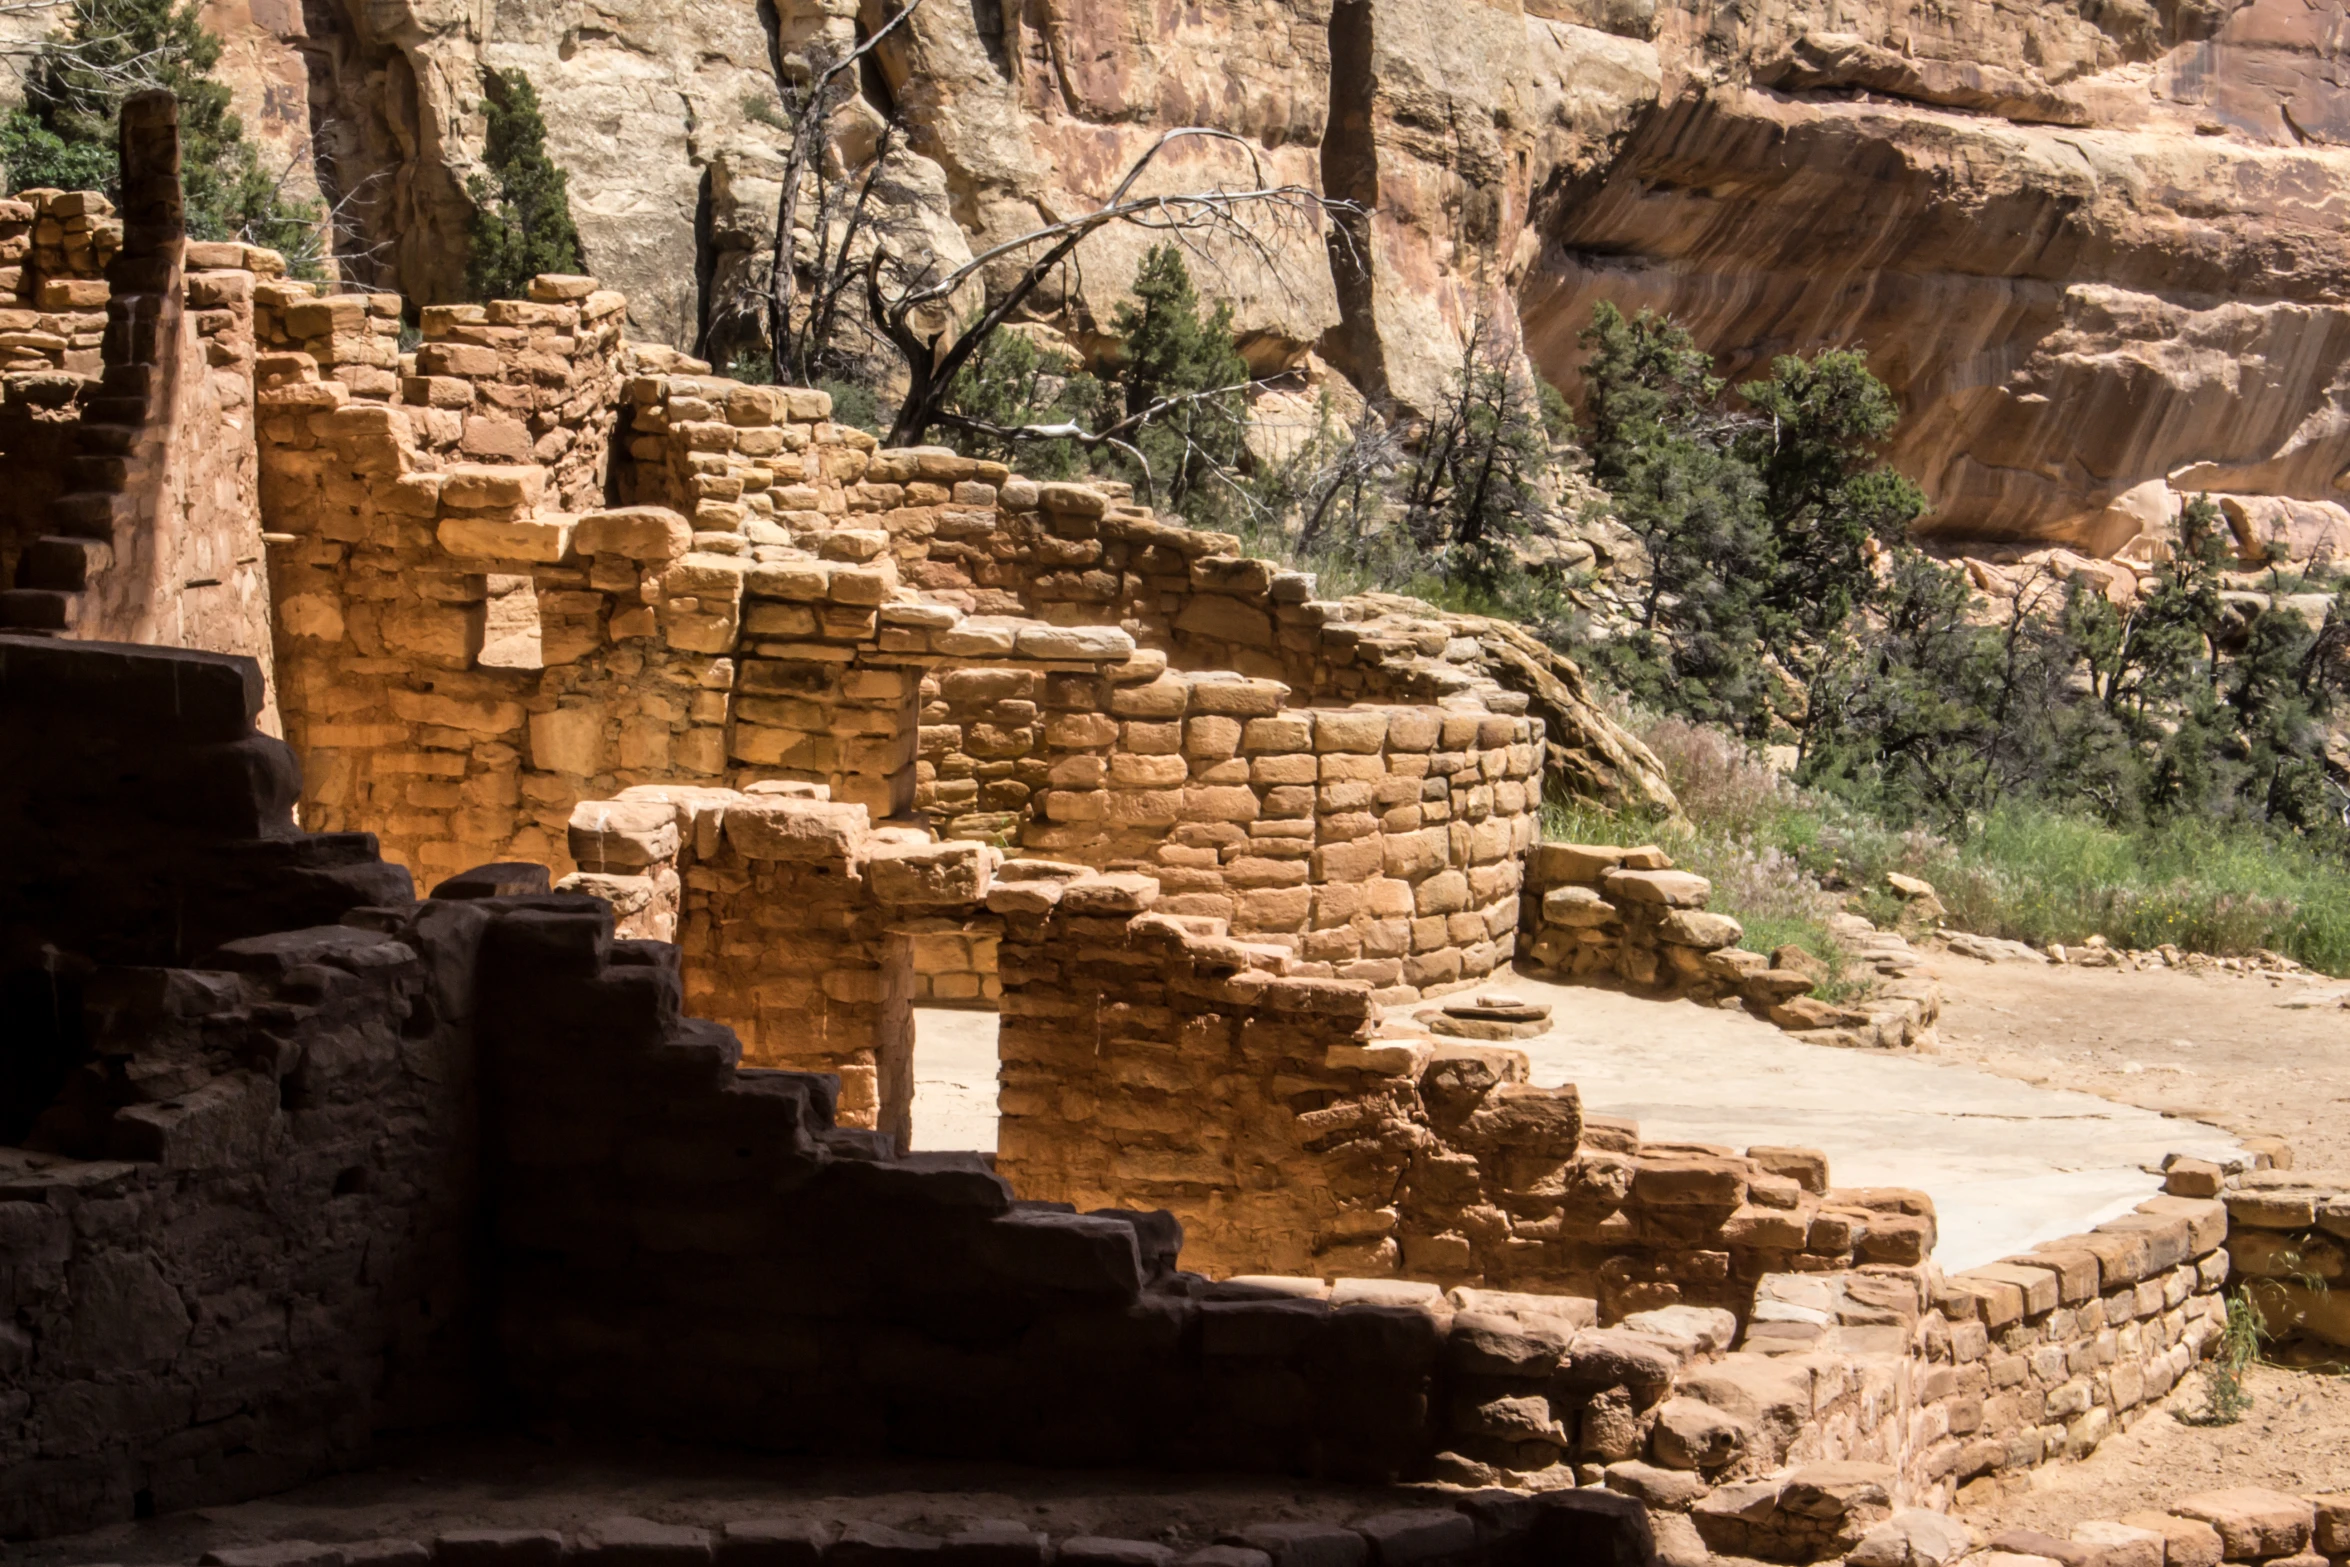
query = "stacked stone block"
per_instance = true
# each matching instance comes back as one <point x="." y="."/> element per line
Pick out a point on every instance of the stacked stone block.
<point x="55" y="248"/>
<point x="1625" y="915"/>
<point x="384" y="599"/>
<point x="1858" y="1392"/>
<point x="2288" y="1249"/>
<point x="761" y="465"/>
<point x="791" y="913"/>
<point x="525" y="381"/>
<point x="2050" y="1352"/>
<point x="695" y="1249"/>
<point x="513" y="382"/>
<point x="955" y="960"/>
<point x="235" y="1206"/>
<point x="353" y="339"/>
<point x="1173" y="1060"/>
<point x="135" y="515"/>
<point x="1379" y="843"/>
<point x="1085" y="554"/>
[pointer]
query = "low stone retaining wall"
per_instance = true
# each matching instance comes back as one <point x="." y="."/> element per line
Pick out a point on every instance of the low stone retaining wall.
<point x="1616" y="915"/>
<point x="2288" y="1249"/>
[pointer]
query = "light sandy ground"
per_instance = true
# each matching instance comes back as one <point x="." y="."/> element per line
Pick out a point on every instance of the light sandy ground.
<point x="2209" y="1046"/>
<point x="2007" y="1164"/>
<point x="2297" y="1439"/>
<point x="954" y="1078"/>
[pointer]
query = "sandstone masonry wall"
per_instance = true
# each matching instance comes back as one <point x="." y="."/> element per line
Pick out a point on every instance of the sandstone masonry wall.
<point x="766" y="636"/>
<point x="694" y="1248"/>
<point x="234" y="1215"/>
<point x="57" y="246"/>
<point x="2288" y="1247"/>
<point x="138" y="517"/>
<point x="1173" y="1061"/>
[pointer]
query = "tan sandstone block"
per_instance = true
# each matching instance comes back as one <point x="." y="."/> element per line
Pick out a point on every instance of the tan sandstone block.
<point x="544" y="539"/>
<point x="568" y="740"/>
<point x="650" y="533"/>
<point x="484" y="487"/>
<point x="2254" y="1524"/>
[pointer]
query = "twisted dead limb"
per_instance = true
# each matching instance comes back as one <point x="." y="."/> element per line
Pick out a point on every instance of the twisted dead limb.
<point x="932" y="361"/>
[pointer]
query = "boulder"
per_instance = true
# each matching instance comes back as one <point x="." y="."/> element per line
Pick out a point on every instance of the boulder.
<point x="2253" y="1524"/>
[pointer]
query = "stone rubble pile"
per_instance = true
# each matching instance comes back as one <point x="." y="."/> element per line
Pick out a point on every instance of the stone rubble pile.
<point x="1626" y="915"/>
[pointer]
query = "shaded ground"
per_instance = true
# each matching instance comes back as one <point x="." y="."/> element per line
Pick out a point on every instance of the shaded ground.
<point x="2207" y="1046"/>
<point x="513" y="1482"/>
<point x="2297" y="1438"/>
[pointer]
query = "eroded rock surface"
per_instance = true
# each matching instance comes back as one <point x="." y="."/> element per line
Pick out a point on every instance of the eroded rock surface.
<point x="2094" y="249"/>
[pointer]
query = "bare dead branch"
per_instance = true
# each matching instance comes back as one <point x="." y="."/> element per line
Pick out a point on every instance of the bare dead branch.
<point x="806" y="121"/>
<point x="933" y="362"/>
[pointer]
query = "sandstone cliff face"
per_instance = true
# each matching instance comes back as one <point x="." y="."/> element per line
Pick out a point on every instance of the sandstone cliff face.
<point x="2068" y="309"/>
<point x="2095" y="248"/>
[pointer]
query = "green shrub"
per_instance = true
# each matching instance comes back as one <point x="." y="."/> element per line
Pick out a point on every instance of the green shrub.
<point x="1759" y="522"/>
<point x="64" y="134"/>
<point x="855" y="404"/>
<point x="2226" y="1399"/>
<point x="521" y="224"/>
<point x="1783" y="858"/>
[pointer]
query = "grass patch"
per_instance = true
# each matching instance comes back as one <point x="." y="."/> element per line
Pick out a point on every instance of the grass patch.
<point x="1783" y="859"/>
<point x="2225" y="1398"/>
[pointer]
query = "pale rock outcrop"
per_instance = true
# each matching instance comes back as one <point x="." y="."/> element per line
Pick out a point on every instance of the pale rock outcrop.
<point x="2092" y="249"/>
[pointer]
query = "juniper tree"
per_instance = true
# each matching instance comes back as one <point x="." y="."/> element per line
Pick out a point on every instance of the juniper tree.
<point x="1178" y="375"/>
<point x="63" y="136"/>
<point x="521" y="224"/>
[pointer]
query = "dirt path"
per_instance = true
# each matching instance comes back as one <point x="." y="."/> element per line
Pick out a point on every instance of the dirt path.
<point x="2297" y="1439"/>
<point x="2209" y="1046"/>
<point x="2206" y="1046"/>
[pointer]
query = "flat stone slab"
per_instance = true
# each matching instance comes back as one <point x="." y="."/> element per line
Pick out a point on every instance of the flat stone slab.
<point x="2008" y="1165"/>
<point x="1485" y="1027"/>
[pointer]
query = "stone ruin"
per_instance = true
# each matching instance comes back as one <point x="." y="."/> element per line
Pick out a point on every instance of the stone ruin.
<point x="721" y="738"/>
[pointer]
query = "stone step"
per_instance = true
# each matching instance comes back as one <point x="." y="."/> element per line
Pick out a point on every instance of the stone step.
<point x="98" y="439"/>
<point x="87" y="514"/>
<point x="39" y="609"/>
<point x="64" y="565"/>
<point x="130" y="411"/>
<point x="97" y="472"/>
<point x="129" y="380"/>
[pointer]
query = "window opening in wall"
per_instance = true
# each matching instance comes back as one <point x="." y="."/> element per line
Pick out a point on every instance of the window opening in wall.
<point x="955" y="1079"/>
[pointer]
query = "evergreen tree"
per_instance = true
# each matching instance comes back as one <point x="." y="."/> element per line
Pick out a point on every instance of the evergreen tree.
<point x="1171" y="348"/>
<point x="1826" y="499"/>
<point x="1482" y="474"/>
<point x="521" y="223"/>
<point x="1010" y="382"/>
<point x="64" y="135"/>
<point x="1759" y="525"/>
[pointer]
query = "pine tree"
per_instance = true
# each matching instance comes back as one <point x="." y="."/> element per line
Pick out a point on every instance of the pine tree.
<point x="63" y="136"/>
<point x="1171" y="349"/>
<point x="521" y="223"/>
